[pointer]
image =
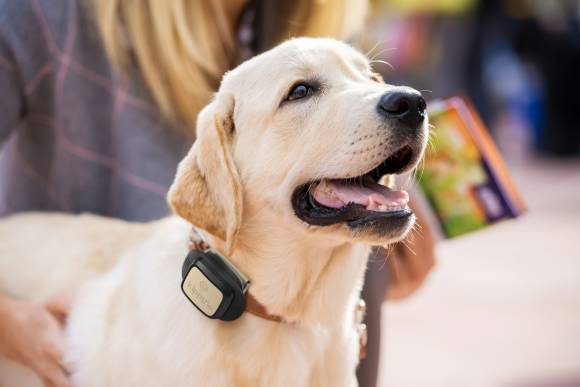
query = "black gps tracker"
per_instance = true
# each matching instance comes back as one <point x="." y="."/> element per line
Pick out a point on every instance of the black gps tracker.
<point x="214" y="285"/>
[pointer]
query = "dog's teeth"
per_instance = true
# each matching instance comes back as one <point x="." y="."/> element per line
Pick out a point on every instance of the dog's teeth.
<point x="387" y="208"/>
<point x="388" y="181"/>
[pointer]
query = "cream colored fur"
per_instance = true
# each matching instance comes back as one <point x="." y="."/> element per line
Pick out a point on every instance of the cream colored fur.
<point x="131" y="326"/>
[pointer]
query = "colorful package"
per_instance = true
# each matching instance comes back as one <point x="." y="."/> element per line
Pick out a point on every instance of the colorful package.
<point x="464" y="178"/>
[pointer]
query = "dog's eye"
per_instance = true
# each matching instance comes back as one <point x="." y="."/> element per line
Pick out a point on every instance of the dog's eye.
<point x="299" y="91"/>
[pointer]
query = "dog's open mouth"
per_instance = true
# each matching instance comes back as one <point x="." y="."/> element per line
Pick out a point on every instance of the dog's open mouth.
<point x="355" y="201"/>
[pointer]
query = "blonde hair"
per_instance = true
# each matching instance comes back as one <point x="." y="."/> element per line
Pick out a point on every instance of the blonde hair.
<point x="182" y="47"/>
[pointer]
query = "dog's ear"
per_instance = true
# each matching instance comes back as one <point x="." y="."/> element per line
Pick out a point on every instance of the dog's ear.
<point x="207" y="190"/>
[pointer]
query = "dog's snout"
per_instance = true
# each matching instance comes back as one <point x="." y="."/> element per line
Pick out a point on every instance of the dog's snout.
<point x="405" y="104"/>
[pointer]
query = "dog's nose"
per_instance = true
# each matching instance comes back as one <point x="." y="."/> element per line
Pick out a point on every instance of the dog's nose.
<point x="405" y="104"/>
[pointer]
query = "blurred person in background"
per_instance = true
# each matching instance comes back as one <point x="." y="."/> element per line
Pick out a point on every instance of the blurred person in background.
<point x="98" y="105"/>
<point x="517" y="61"/>
<point x="525" y="55"/>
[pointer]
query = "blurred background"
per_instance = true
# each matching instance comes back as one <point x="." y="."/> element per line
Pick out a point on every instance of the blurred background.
<point x="502" y="306"/>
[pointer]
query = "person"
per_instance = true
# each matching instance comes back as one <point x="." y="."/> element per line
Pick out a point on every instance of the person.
<point x="394" y="274"/>
<point x="98" y="105"/>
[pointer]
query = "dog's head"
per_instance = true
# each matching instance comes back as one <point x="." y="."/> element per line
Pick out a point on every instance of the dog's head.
<point x="302" y="134"/>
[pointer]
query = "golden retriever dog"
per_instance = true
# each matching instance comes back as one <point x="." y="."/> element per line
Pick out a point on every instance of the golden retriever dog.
<point x="283" y="180"/>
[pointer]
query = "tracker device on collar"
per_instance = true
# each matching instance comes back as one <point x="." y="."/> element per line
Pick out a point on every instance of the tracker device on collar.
<point x="214" y="285"/>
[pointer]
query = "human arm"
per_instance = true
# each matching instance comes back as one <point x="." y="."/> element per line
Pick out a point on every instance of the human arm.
<point x="11" y="89"/>
<point x="411" y="261"/>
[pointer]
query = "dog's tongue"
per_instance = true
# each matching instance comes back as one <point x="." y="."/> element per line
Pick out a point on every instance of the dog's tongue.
<point x="373" y="196"/>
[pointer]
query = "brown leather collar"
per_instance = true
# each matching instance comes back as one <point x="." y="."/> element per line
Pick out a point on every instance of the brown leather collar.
<point x="253" y="306"/>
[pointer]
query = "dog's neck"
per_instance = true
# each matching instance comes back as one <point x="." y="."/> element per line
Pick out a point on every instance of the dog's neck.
<point x="302" y="278"/>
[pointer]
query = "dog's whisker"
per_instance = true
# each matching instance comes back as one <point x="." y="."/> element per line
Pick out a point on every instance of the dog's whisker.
<point x="383" y="62"/>
<point x="388" y="249"/>
<point x="419" y="169"/>
<point x="376" y="254"/>
<point x="417" y="228"/>
<point x="375" y="56"/>
<point x="369" y="52"/>
<point x="384" y="252"/>
<point x="408" y="247"/>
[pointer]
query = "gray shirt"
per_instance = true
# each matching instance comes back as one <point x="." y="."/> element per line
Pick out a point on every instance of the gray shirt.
<point x="72" y="137"/>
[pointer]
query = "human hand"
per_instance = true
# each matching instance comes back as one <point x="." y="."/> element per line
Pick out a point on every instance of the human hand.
<point x="33" y="336"/>
<point x="407" y="271"/>
<point x="412" y="260"/>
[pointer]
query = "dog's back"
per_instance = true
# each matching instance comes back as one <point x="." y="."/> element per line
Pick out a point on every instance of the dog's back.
<point x="35" y="247"/>
<point x="44" y="254"/>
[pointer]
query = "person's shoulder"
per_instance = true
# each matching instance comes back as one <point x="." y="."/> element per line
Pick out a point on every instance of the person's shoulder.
<point x="14" y="13"/>
<point x="24" y="13"/>
<point x="25" y="20"/>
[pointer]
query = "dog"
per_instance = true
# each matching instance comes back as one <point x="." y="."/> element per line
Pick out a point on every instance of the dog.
<point x="283" y="181"/>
